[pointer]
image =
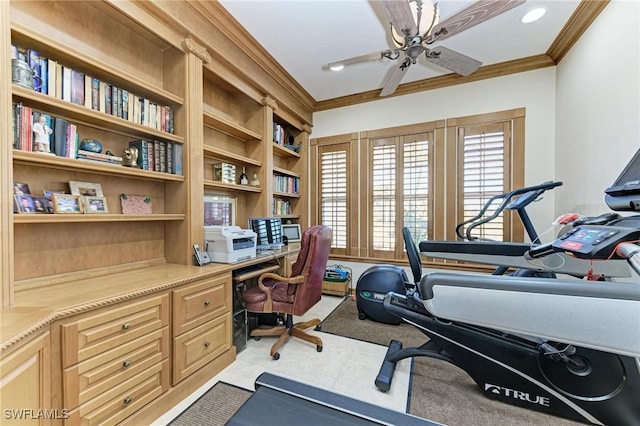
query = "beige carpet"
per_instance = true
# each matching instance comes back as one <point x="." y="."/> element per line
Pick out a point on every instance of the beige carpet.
<point x="440" y="391"/>
<point x="214" y="408"/>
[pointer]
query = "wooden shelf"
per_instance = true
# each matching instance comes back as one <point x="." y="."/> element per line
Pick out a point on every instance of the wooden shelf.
<point x="284" y="152"/>
<point x="228" y="126"/>
<point x="226" y="155"/>
<point x="230" y="186"/>
<point x="285" y="172"/>
<point x="62" y="163"/>
<point x="82" y="115"/>
<point x="285" y="194"/>
<point x="93" y="218"/>
<point x="71" y="57"/>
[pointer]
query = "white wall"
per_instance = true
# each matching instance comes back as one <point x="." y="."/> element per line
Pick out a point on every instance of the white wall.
<point x="598" y="108"/>
<point x="533" y="90"/>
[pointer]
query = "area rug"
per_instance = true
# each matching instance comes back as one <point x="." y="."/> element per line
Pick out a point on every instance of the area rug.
<point x="439" y="391"/>
<point x="215" y="407"/>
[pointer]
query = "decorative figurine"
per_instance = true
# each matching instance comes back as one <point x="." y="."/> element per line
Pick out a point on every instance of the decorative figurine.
<point x="255" y="181"/>
<point x="244" y="179"/>
<point x="130" y="157"/>
<point x="41" y="132"/>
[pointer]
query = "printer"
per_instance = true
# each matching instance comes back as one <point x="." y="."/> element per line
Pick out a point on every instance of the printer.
<point x="229" y="244"/>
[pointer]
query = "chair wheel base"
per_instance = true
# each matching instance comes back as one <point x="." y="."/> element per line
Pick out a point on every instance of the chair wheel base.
<point x="276" y="356"/>
<point x="318" y="328"/>
<point x="319" y="348"/>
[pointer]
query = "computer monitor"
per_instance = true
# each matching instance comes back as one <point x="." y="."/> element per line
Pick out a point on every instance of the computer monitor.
<point x="268" y="231"/>
<point x="292" y="231"/>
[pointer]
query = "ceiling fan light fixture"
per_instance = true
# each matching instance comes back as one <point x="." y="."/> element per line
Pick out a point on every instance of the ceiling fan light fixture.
<point x="336" y="67"/>
<point x="533" y="15"/>
<point x="428" y="18"/>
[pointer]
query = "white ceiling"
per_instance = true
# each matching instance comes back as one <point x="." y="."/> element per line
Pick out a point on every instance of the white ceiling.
<point x="305" y="35"/>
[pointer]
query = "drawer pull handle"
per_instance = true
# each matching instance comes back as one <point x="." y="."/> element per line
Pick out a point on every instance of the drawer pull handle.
<point x="127" y="400"/>
<point x="126" y="363"/>
<point x="207" y="344"/>
<point x="207" y="303"/>
<point x="126" y="326"/>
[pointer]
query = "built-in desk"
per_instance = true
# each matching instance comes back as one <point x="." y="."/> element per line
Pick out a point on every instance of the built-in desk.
<point x="152" y="334"/>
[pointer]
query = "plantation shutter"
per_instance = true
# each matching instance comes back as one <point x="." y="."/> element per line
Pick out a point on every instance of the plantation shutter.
<point x="482" y="156"/>
<point x="334" y="193"/>
<point x="416" y="186"/>
<point x="383" y="197"/>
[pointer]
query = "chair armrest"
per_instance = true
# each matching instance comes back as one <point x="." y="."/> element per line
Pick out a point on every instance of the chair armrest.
<point x="268" y="304"/>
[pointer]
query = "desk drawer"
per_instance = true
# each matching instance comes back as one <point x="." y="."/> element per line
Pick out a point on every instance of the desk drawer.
<point x="92" y="377"/>
<point x="197" y="347"/>
<point x="118" y="403"/>
<point x="200" y="302"/>
<point x="110" y="328"/>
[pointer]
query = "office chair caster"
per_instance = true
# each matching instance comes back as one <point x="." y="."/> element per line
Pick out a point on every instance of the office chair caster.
<point x="319" y="348"/>
<point x="276" y="356"/>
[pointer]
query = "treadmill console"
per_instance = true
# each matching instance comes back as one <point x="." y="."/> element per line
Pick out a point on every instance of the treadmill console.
<point x="594" y="241"/>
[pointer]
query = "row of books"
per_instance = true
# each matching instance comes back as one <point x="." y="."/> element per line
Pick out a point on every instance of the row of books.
<point x="62" y="136"/>
<point x="281" y="135"/>
<point x="62" y="82"/>
<point x="159" y="156"/>
<point x="281" y="207"/>
<point x="288" y="184"/>
<point x="64" y="141"/>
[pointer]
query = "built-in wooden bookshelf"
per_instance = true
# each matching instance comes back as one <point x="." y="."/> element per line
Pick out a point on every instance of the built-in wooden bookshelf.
<point x="146" y="66"/>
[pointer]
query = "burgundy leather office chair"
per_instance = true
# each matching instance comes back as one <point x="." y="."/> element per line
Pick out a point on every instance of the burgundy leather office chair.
<point x="294" y="295"/>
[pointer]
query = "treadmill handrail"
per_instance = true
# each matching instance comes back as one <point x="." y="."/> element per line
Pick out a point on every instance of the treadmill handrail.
<point x="535" y="191"/>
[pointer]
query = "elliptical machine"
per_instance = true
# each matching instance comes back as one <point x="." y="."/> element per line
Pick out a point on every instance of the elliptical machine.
<point x="377" y="281"/>
<point x="565" y="347"/>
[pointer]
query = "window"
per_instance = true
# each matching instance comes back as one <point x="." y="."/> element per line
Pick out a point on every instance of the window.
<point x="372" y="184"/>
<point x="333" y="180"/>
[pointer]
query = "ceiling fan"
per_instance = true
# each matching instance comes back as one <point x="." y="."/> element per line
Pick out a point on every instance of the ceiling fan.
<point x="415" y="26"/>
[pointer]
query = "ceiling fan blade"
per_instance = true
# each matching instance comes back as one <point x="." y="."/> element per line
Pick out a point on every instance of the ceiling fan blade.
<point x="375" y="56"/>
<point x="394" y="79"/>
<point x="453" y="61"/>
<point x="400" y="16"/>
<point x="473" y="15"/>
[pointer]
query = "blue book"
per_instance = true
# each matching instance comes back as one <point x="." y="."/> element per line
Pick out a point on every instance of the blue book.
<point x="44" y="71"/>
<point x="33" y="57"/>
<point x="177" y="159"/>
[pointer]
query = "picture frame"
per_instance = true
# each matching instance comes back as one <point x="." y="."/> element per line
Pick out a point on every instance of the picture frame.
<point x="24" y="204"/>
<point x="95" y="205"/>
<point x="219" y="210"/>
<point x="41" y="204"/>
<point x="20" y="188"/>
<point x="85" y="189"/>
<point x="47" y="192"/>
<point x="67" y="203"/>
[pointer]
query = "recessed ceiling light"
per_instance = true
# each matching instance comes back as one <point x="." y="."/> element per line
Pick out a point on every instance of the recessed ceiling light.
<point x="533" y="15"/>
<point x="336" y="68"/>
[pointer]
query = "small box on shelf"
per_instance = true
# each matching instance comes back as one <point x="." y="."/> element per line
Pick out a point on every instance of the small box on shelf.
<point x="224" y="172"/>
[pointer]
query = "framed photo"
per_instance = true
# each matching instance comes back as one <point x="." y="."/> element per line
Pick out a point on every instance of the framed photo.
<point x="65" y="203"/>
<point x="25" y="204"/>
<point x="219" y="210"/>
<point x="95" y="205"/>
<point x="20" y="188"/>
<point x="85" y="189"/>
<point x="47" y="192"/>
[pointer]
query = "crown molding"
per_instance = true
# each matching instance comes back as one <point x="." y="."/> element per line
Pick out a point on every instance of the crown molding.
<point x="584" y="15"/>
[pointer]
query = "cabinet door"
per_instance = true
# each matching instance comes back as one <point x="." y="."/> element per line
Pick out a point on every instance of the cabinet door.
<point x="25" y="383"/>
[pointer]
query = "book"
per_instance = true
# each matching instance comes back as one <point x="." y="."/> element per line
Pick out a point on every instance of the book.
<point x="66" y="84"/>
<point x="125" y="104"/>
<point x="17" y="126"/>
<point x="143" y="152"/>
<point x="77" y="87"/>
<point x="60" y="136"/>
<point x="169" y="157"/>
<point x="95" y="94"/>
<point x="107" y="99"/>
<point x="33" y="58"/>
<point x="87" y="91"/>
<point x="156" y="155"/>
<point x="177" y="159"/>
<point x="99" y="155"/>
<point x="59" y="79"/>
<point x="52" y="81"/>
<point x="26" y="135"/>
<point x="103" y="97"/>
<point x="44" y="75"/>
